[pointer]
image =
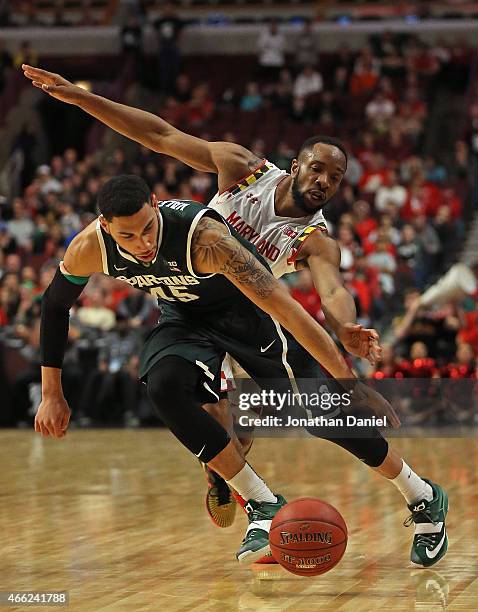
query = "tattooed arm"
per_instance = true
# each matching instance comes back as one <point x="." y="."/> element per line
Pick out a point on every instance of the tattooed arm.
<point x="229" y="160"/>
<point x="215" y="250"/>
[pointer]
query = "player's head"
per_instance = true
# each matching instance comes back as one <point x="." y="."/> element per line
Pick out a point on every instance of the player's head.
<point x="129" y="213"/>
<point x="317" y="172"/>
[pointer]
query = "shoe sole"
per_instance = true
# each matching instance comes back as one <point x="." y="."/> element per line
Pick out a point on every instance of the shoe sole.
<point x="222" y="515"/>
<point x="252" y="556"/>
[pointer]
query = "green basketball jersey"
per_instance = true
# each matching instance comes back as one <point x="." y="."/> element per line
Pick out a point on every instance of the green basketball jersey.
<point x="170" y="277"/>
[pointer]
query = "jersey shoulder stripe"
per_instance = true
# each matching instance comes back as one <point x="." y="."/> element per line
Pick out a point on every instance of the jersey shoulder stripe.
<point x="302" y="237"/>
<point x="250" y="179"/>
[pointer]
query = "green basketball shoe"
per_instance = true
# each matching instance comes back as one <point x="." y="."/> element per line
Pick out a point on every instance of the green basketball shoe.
<point x="256" y="541"/>
<point x="430" y="542"/>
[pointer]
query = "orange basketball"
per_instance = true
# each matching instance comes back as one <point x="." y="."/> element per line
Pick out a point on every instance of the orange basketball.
<point x="308" y="536"/>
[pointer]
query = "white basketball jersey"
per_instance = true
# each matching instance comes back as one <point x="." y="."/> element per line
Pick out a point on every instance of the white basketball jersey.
<point x="248" y="206"/>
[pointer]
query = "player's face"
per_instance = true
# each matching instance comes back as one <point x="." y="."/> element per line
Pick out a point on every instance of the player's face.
<point x="137" y="234"/>
<point x="317" y="175"/>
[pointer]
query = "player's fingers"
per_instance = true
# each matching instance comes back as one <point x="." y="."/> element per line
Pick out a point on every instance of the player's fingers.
<point x="56" y="429"/>
<point x="373" y="334"/>
<point x="65" y="420"/>
<point x="37" y="84"/>
<point x="64" y="424"/>
<point x="48" y="77"/>
<point x="37" y="426"/>
<point x="29" y="75"/>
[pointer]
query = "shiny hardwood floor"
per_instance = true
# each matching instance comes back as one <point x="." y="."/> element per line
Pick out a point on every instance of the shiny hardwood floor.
<point x="117" y="519"/>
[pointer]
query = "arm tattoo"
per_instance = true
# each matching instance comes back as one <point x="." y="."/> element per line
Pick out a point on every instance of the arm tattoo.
<point x="215" y="250"/>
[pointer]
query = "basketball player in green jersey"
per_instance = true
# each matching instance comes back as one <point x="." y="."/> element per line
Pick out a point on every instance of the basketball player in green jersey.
<point x="314" y="178"/>
<point x="216" y="295"/>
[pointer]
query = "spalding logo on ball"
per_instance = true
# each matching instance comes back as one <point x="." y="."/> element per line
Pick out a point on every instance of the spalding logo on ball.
<point x="308" y="536"/>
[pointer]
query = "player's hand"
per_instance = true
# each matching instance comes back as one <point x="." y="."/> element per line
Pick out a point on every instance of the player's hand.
<point x="53" y="84"/>
<point x="364" y="396"/>
<point x="361" y="342"/>
<point x="52" y="417"/>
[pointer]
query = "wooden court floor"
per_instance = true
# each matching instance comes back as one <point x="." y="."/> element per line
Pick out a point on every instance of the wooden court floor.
<point x="116" y="518"/>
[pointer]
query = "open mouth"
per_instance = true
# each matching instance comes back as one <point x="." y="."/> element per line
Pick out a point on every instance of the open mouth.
<point x="316" y="195"/>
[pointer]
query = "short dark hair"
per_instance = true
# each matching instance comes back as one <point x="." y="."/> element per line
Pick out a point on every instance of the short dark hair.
<point x="122" y="196"/>
<point x="330" y="140"/>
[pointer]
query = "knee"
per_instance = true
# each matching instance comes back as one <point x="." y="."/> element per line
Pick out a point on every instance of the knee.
<point x="220" y="412"/>
<point x="160" y="388"/>
<point x="166" y="387"/>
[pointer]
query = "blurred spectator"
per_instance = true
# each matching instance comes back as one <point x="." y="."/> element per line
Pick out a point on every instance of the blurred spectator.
<point x="379" y="112"/>
<point x="182" y="90"/>
<point x="353" y="174"/>
<point x="308" y="82"/>
<point x="21" y="227"/>
<point x="283" y="157"/>
<point x="271" y="46"/>
<point x="252" y="99"/>
<point x="298" y="111"/>
<point x="375" y="175"/>
<point x="46" y="182"/>
<point x="341" y="82"/>
<point x="281" y="94"/>
<point x="132" y="43"/>
<point x="388" y="366"/>
<point x="364" y="223"/>
<point x="365" y="74"/>
<point x="349" y="247"/>
<point x="430" y="246"/>
<point x="201" y="106"/>
<point x="94" y="314"/>
<point x="305" y="293"/>
<point x="328" y="104"/>
<point x="436" y="330"/>
<point x="464" y="365"/>
<point x="25" y="55"/>
<point x="387" y="230"/>
<point x="390" y="193"/>
<point x="168" y="27"/>
<point x="384" y="262"/>
<point x="408" y="250"/>
<point x="307" y="47"/>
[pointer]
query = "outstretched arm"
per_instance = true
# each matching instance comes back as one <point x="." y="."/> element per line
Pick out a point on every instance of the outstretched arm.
<point x="322" y="255"/>
<point x="229" y="160"/>
<point x="215" y="250"/>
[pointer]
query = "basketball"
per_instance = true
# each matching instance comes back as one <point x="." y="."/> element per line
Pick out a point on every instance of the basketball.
<point x="308" y="536"/>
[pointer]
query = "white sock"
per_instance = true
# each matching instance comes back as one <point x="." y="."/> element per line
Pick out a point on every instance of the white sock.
<point x="411" y="486"/>
<point x="249" y="486"/>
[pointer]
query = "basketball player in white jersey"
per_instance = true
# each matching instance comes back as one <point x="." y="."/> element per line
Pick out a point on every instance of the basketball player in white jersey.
<point x="281" y="213"/>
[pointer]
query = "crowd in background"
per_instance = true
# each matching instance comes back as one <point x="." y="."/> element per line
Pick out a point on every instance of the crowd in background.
<point x="398" y="216"/>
